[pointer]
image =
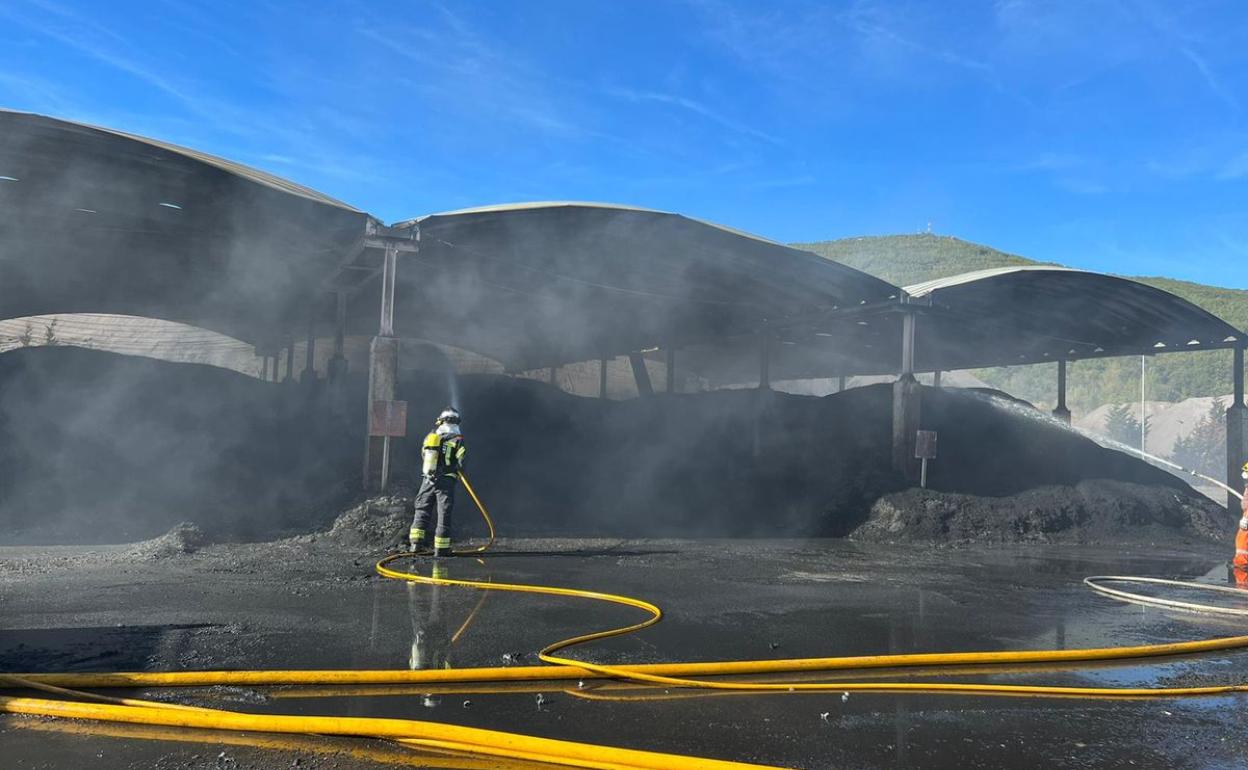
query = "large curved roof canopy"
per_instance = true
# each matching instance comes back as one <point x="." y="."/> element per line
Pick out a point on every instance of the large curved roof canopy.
<point x="539" y="284"/>
<point x="95" y="220"/>
<point x="1030" y="314"/>
<point x="999" y="317"/>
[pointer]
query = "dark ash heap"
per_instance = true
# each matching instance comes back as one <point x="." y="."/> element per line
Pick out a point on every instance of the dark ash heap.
<point x="96" y="447"/>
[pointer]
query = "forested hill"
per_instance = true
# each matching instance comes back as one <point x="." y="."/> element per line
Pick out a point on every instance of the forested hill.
<point x="910" y="259"/>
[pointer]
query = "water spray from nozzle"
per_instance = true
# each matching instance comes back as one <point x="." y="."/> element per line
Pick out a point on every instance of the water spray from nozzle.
<point x="1032" y="413"/>
<point x="452" y="388"/>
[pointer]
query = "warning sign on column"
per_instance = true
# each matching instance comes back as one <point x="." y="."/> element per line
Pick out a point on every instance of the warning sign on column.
<point x="388" y="418"/>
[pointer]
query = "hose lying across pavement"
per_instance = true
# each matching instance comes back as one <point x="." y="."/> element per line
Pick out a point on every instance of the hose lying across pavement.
<point x="463" y="742"/>
<point x="1095" y="583"/>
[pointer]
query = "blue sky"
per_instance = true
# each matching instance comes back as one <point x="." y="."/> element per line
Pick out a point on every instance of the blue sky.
<point x="1105" y="134"/>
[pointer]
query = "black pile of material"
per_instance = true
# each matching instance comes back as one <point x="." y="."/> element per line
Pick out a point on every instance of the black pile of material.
<point x="1003" y="475"/>
<point x="101" y="448"/>
<point x="97" y="448"/>
<point x="727" y="463"/>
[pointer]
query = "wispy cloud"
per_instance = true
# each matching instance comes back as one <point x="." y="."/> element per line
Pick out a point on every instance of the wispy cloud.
<point x="1051" y="161"/>
<point x="698" y="108"/>
<point x="1236" y="246"/>
<point x="877" y="24"/>
<point x="1211" y="78"/>
<point x="1067" y="171"/>
<point x="801" y="180"/>
<point x="197" y="116"/>
<point x="1081" y="185"/>
<point x="94" y="41"/>
<point x="41" y="94"/>
<point x="819" y="46"/>
<point x="458" y="68"/>
<point x="1235" y="168"/>
<point x="1188" y="44"/>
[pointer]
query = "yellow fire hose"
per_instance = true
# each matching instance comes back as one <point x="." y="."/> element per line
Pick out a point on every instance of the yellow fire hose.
<point x="401" y="755"/>
<point x="480" y="742"/>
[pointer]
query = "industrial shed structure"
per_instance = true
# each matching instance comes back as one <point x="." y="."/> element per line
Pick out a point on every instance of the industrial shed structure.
<point x="96" y="220"/>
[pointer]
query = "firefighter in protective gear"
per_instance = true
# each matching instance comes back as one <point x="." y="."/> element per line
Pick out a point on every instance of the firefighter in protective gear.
<point x="442" y="457"/>
<point x="1241" y="539"/>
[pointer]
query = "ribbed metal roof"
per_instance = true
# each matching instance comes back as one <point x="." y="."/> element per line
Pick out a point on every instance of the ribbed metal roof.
<point x="97" y="220"/>
<point x="534" y="284"/>
<point x="1037" y="313"/>
<point x="529" y="205"/>
<point x="38" y="123"/>
<point x="997" y="317"/>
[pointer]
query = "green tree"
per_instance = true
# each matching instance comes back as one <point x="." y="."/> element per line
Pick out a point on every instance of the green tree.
<point x="1204" y="448"/>
<point x="1122" y="426"/>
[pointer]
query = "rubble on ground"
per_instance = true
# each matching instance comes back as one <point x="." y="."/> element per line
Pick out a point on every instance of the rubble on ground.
<point x="377" y="523"/>
<point x="1091" y="512"/>
<point x="184" y="538"/>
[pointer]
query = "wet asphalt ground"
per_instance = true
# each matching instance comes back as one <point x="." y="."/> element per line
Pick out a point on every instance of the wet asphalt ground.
<point x="315" y="605"/>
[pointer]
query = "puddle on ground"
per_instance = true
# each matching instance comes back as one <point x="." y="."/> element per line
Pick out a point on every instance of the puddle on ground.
<point x="752" y="600"/>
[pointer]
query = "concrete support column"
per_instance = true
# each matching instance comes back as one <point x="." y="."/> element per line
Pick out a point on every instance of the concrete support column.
<point x="337" y="369"/>
<point x="1060" y="411"/>
<point x="936" y="379"/>
<point x="1236" y="434"/>
<point x="908" y="324"/>
<point x="309" y="357"/>
<point x="389" y="270"/>
<point x="907" y="402"/>
<point x="764" y="362"/>
<point x="641" y="374"/>
<point x="840" y="384"/>
<point x="383" y="371"/>
<point x="602" y="378"/>
<point x="671" y="370"/>
<point x="290" y="359"/>
<point x="553" y="376"/>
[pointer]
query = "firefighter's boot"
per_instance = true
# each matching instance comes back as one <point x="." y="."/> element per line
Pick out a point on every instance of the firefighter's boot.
<point x="442" y="546"/>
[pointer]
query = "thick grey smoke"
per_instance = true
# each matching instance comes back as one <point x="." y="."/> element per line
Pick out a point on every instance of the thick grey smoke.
<point x="97" y="447"/>
<point x="100" y="448"/>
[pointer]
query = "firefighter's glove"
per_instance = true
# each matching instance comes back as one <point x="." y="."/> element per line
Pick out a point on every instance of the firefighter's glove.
<point x="1243" y="523"/>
